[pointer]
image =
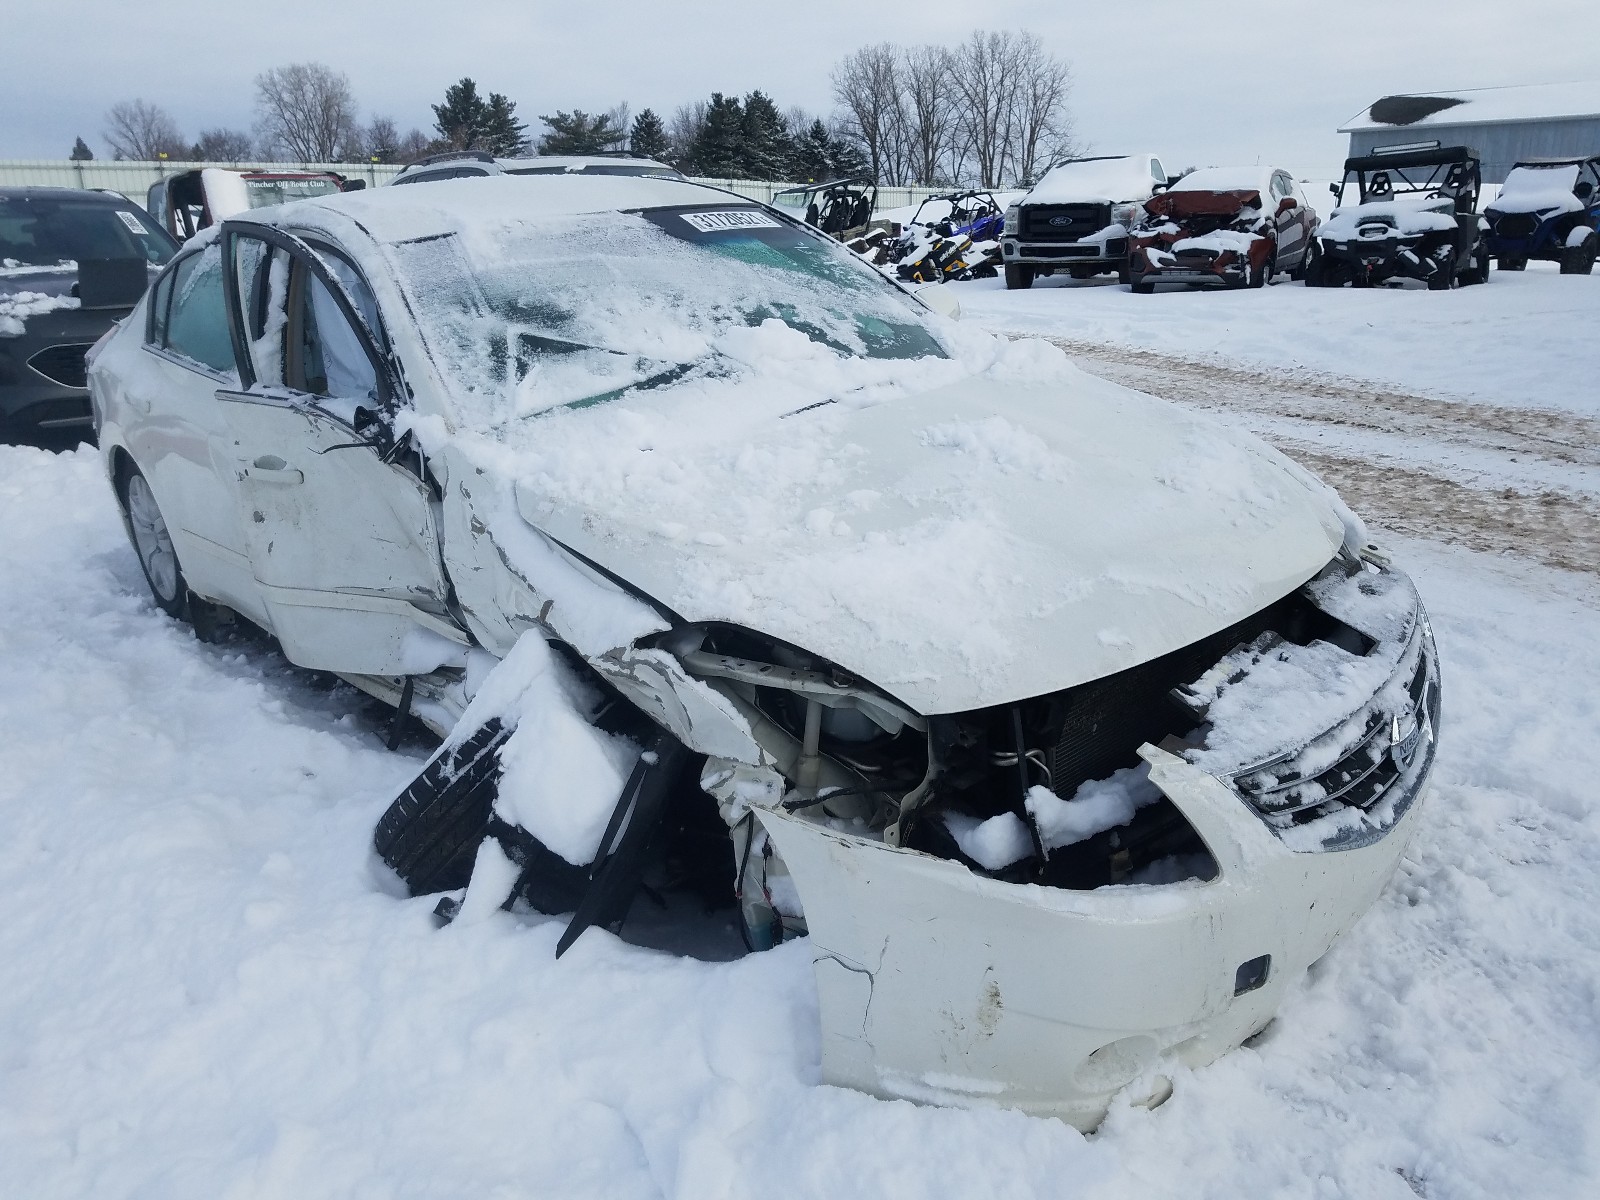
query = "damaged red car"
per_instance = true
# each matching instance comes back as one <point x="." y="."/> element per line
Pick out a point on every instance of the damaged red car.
<point x="1223" y="227"/>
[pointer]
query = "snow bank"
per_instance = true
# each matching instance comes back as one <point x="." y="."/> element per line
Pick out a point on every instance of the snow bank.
<point x="17" y="307"/>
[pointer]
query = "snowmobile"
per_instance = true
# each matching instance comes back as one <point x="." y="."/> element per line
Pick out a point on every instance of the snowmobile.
<point x="964" y="244"/>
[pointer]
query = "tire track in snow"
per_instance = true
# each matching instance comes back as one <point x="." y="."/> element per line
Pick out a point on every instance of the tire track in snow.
<point x="1532" y="488"/>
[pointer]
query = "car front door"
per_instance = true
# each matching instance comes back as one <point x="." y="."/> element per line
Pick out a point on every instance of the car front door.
<point x="1289" y="223"/>
<point x="339" y="519"/>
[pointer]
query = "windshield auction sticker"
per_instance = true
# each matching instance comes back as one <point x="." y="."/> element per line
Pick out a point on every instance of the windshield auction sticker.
<point x="729" y="219"/>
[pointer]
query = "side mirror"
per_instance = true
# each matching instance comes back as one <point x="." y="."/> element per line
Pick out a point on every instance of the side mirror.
<point x="1337" y="189"/>
<point x="1159" y="188"/>
<point x="354" y="185"/>
<point x="1287" y="204"/>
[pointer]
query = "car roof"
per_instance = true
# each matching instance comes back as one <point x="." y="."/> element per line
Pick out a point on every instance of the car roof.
<point x="62" y="193"/>
<point x="1575" y="161"/>
<point x="547" y="161"/>
<point x="403" y="214"/>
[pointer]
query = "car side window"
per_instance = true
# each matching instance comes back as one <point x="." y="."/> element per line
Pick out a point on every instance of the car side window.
<point x="196" y="319"/>
<point x="1158" y="171"/>
<point x="160" y="298"/>
<point x="326" y="355"/>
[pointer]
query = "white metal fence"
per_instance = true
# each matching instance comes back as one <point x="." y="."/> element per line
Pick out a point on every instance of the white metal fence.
<point x="134" y="179"/>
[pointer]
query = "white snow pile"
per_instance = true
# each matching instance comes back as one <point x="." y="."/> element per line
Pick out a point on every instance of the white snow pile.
<point x="1405" y="215"/>
<point x="1220" y="241"/>
<point x="1539" y="190"/>
<point x="1097" y="805"/>
<point x="561" y="776"/>
<point x="992" y="842"/>
<point x="1107" y="181"/>
<point x="17" y="307"/>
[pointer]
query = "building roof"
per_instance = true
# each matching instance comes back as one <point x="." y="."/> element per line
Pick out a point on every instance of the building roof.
<point x="1476" y="106"/>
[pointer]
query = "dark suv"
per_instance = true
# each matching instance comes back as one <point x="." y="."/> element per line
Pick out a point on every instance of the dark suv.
<point x="72" y="263"/>
<point x="1547" y="208"/>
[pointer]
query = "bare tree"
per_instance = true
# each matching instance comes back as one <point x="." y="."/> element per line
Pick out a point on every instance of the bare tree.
<point x="1041" y="126"/>
<point x="622" y="121"/>
<point x="136" y="129"/>
<point x="413" y="146"/>
<point x="983" y="74"/>
<point x="683" y="130"/>
<point x="929" y="114"/>
<point x="305" y="110"/>
<point x="866" y="85"/>
<point x="224" y="145"/>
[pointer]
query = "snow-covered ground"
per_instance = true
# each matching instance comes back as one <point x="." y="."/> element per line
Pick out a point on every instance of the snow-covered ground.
<point x="214" y="990"/>
<point x="1525" y="339"/>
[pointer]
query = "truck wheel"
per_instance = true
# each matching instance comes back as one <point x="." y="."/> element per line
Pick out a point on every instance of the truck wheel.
<point x="1579" y="259"/>
<point x="1019" y="277"/>
<point x="1507" y="262"/>
<point x="1320" y="272"/>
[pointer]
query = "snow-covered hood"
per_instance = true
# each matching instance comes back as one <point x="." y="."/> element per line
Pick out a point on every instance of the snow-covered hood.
<point x="1538" y="190"/>
<point x="972" y="545"/>
<point x="1406" y="216"/>
<point x="1104" y="181"/>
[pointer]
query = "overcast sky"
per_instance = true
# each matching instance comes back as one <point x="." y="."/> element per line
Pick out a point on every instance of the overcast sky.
<point x="1196" y="81"/>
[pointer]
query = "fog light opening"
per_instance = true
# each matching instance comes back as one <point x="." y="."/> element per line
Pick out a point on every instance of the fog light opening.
<point x="1252" y="974"/>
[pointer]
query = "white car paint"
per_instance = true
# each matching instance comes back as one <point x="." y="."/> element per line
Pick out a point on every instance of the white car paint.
<point x="1119" y="529"/>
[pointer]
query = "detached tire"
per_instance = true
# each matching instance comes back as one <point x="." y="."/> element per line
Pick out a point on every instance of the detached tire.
<point x="1579" y="259"/>
<point x="1019" y="278"/>
<point x="152" y="544"/>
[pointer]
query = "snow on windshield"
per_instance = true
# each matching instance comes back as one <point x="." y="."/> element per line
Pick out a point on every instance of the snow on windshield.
<point x="1539" y="189"/>
<point x="528" y="315"/>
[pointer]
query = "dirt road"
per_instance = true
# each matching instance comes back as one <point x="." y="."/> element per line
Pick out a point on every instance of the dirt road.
<point x="1516" y="481"/>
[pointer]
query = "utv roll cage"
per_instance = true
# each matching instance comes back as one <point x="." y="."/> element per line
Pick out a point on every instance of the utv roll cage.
<point x="837" y="205"/>
<point x="965" y="207"/>
<point x="1451" y="171"/>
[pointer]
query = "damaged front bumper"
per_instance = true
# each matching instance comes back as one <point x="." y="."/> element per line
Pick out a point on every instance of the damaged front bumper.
<point x="939" y="985"/>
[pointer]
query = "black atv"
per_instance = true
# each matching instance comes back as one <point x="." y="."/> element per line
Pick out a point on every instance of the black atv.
<point x="1417" y="218"/>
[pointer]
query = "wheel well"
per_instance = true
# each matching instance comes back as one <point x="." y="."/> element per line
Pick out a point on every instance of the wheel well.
<point x="122" y="466"/>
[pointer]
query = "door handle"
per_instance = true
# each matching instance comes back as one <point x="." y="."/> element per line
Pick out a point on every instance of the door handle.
<point x="269" y="468"/>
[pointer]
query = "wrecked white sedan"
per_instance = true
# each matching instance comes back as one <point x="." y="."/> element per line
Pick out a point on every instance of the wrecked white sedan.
<point x="1069" y="727"/>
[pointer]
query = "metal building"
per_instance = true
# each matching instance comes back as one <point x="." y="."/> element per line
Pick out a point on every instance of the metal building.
<point x="1505" y="124"/>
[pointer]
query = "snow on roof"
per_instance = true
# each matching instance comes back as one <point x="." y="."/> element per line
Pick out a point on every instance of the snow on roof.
<point x="1528" y="102"/>
<point x="397" y="214"/>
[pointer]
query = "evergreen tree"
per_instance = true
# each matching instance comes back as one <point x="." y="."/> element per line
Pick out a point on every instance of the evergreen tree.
<point x="81" y="151"/>
<point x="716" y="148"/>
<point x="847" y="158"/>
<point x="648" y="137"/>
<point x="461" y="119"/>
<point x="764" y="148"/>
<point x="811" y="158"/>
<point x="577" y="132"/>
<point x="503" y="135"/>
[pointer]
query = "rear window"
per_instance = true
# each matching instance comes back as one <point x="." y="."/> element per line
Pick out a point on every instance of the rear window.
<point x="45" y="231"/>
<point x="264" y="193"/>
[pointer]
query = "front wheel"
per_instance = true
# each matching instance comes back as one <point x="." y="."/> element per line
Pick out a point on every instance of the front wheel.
<point x="1143" y="287"/>
<point x="152" y="542"/>
<point x="1478" y="272"/>
<point x="1262" y="276"/>
<point x="1019" y="277"/>
<point x="1579" y="259"/>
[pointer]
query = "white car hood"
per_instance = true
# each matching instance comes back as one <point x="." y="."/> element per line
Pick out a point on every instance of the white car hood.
<point x="969" y="546"/>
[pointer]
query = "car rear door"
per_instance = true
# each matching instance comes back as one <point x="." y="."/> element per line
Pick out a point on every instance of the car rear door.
<point x="339" y="518"/>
